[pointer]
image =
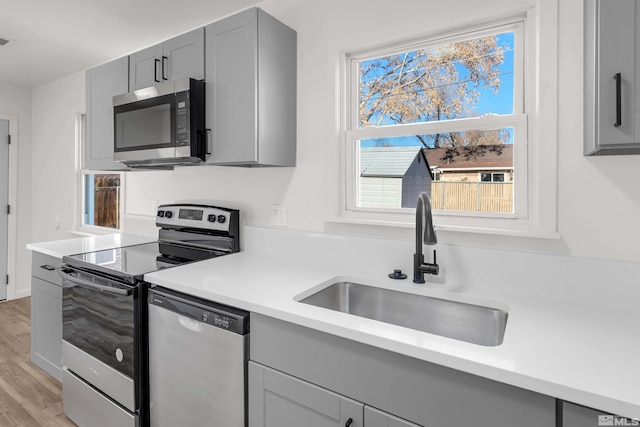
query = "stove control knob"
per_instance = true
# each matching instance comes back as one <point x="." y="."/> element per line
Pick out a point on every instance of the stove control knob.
<point x="222" y="219"/>
<point x="211" y="218"/>
<point x="168" y="214"/>
<point x="160" y="214"/>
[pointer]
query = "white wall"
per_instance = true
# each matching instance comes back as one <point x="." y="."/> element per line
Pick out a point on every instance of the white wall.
<point x="598" y="200"/>
<point x="16" y="101"/>
<point x="55" y="175"/>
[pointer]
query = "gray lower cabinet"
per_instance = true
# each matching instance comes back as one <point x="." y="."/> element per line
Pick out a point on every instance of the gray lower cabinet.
<point x="580" y="416"/>
<point x="103" y="83"/>
<point x="412" y="390"/>
<point x="251" y="90"/>
<point x="277" y="399"/>
<point x="376" y="418"/>
<point x="46" y="315"/>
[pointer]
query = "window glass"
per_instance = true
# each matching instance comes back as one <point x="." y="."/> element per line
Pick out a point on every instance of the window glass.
<point x="102" y="200"/>
<point x="394" y="171"/>
<point x="457" y="80"/>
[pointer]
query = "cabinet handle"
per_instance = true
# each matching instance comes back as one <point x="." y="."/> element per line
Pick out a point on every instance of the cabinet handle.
<point x="155" y="70"/>
<point x="164" y="58"/>
<point x="618" y="79"/>
<point x="349" y="422"/>
<point x="47" y="267"/>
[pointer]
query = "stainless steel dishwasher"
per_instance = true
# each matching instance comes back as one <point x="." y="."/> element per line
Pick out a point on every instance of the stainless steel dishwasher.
<point x="197" y="361"/>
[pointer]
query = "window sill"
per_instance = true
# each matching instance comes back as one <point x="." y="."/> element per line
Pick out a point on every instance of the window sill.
<point x="88" y="230"/>
<point x="536" y="234"/>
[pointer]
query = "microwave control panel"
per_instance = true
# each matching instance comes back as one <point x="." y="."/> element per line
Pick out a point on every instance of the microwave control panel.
<point x="182" y="119"/>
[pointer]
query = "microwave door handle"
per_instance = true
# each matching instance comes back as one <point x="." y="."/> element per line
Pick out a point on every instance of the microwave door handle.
<point x="156" y="62"/>
<point x="164" y="60"/>
<point x="91" y="285"/>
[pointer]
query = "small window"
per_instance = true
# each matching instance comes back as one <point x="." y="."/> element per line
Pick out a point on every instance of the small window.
<point x="102" y="200"/>
<point x="492" y="177"/>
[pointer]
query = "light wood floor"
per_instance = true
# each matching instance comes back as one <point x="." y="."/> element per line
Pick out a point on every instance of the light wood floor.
<point x="28" y="396"/>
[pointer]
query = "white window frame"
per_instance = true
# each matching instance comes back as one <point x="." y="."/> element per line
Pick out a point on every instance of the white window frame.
<point x="86" y="229"/>
<point x="535" y="115"/>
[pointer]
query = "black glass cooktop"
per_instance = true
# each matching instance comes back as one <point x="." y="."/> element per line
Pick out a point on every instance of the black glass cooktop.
<point x="131" y="263"/>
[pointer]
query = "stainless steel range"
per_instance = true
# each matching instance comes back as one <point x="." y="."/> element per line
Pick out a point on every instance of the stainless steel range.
<point x="105" y="373"/>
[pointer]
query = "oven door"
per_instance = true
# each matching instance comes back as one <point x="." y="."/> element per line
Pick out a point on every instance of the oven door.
<point x="98" y="317"/>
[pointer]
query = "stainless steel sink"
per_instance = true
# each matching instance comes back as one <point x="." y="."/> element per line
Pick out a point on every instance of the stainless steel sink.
<point x="467" y="322"/>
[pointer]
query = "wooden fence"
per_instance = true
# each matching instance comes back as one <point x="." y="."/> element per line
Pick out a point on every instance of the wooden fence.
<point x="107" y="201"/>
<point x="472" y="196"/>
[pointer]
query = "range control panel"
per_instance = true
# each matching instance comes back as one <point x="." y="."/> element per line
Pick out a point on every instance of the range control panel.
<point x="197" y="216"/>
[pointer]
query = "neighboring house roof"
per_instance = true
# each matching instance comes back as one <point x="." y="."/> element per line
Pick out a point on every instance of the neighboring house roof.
<point x="386" y="161"/>
<point x="486" y="157"/>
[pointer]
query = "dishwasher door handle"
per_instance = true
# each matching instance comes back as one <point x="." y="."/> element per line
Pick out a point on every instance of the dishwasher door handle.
<point x="190" y="324"/>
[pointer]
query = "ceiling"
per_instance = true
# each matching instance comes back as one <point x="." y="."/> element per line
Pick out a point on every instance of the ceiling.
<point x="51" y="39"/>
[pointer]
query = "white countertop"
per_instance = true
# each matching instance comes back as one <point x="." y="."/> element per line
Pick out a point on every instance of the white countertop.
<point x="573" y="351"/>
<point x="60" y="248"/>
<point x="572" y="332"/>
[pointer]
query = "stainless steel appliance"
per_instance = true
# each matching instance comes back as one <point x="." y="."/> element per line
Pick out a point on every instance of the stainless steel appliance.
<point x="105" y="313"/>
<point x="197" y="361"/>
<point x="161" y="126"/>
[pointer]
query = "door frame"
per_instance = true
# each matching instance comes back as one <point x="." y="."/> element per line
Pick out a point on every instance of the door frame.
<point x="13" y="201"/>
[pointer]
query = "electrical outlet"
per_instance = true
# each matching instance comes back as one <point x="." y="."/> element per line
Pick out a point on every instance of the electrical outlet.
<point x="279" y="215"/>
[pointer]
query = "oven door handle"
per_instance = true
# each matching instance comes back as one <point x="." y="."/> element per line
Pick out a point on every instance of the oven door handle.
<point x="91" y="285"/>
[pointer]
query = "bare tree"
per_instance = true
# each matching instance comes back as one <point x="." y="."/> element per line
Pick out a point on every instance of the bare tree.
<point x="433" y="84"/>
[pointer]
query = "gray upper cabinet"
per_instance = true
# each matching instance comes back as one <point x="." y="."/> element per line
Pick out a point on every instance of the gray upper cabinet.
<point x="251" y="90"/>
<point x="612" y="67"/>
<point x="180" y="57"/>
<point x="103" y="83"/>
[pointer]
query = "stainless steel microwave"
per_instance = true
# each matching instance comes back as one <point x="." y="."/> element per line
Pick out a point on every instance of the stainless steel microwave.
<point x="161" y="126"/>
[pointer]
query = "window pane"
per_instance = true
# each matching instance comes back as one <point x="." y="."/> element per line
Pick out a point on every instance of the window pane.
<point x="392" y="171"/>
<point x="465" y="79"/>
<point x="102" y="200"/>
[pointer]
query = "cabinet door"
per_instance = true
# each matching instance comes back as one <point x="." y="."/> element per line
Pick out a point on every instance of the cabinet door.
<point x="146" y="67"/>
<point x="46" y="326"/>
<point x="277" y="400"/>
<point x="580" y="416"/>
<point x="376" y="418"/>
<point x="103" y="83"/>
<point x="616" y="51"/>
<point x="231" y="68"/>
<point x="184" y="56"/>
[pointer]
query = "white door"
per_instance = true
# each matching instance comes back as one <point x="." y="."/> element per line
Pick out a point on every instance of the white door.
<point x="4" y="202"/>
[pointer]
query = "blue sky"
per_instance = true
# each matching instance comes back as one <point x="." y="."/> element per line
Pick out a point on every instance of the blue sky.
<point x="501" y="103"/>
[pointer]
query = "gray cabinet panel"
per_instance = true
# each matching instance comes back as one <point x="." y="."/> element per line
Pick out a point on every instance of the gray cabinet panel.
<point x="43" y="266"/>
<point x="231" y="64"/>
<point x="611" y="47"/>
<point x="103" y="83"/>
<point x="46" y="326"/>
<point x="251" y="90"/>
<point x="146" y="67"/>
<point x="174" y="59"/>
<point x="277" y="399"/>
<point x="184" y="56"/>
<point x="376" y="418"/>
<point x="417" y="391"/>
<point x="580" y="416"/>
